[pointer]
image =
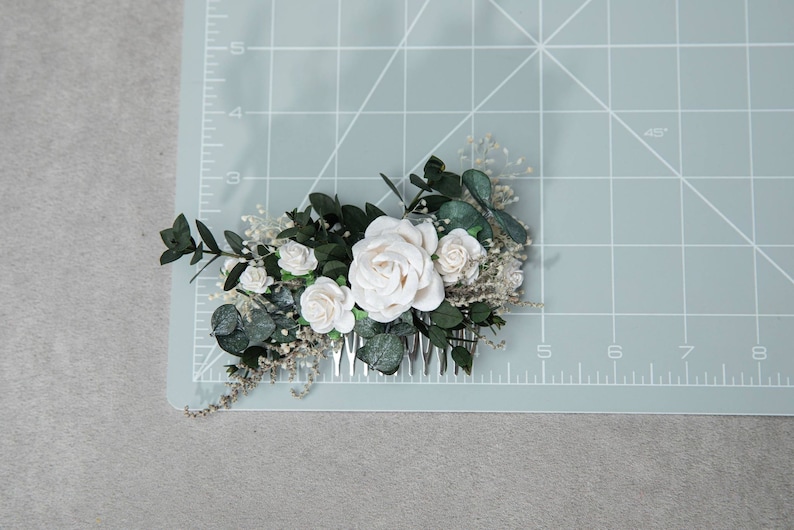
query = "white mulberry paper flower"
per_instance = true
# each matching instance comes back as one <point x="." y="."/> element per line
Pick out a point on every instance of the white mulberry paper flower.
<point x="392" y="270"/>
<point x="255" y="280"/>
<point x="327" y="305"/>
<point x="296" y="259"/>
<point x="458" y="254"/>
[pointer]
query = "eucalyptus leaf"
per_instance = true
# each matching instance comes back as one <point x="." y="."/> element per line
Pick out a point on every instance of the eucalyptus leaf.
<point x="417" y="181"/>
<point x="437" y="336"/>
<point x="258" y="324"/>
<point x="250" y="356"/>
<point x="281" y="297"/>
<point x="305" y="233"/>
<point x="234" y="276"/>
<point x="235" y="241"/>
<point x="447" y="184"/>
<point x="322" y="204"/>
<point x="355" y="218"/>
<point x="391" y="185"/>
<point x="288" y="233"/>
<point x="285" y="328"/>
<point x="198" y="254"/>
<point x="434" y="165"/>
<point x="383" y="352"/>
<point x="207" y="237"/>
<point x="169" y="238"/>
<point x="235" y="342"/>
<point x="181" y="227"/>
<point x="464" y="215"/>
<point x="373" y="212"/>
<point x="402" y="329"/>
<point x="330" y="251"/>
<point x="224" y="320"/>
<point x="462" y="358"/>
<point x="512" y="227"/>
<point x="446" y="316"/>
<point x="434" y="202"/>
<point x="479" y="312"/>
<point x="368" y="328"/>
<point x="334" y="269"/>
<point x="271" y="265"/>
<point x="479" y="185"/>
<point x="170" y="255"/>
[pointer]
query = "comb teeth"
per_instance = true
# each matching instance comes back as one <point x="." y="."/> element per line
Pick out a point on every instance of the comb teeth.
<point x="351" y="342"/>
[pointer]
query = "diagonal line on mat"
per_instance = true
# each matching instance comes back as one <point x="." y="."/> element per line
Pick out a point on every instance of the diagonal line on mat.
<point x="461" y="122"/>
<point x="514" y="22"/>
<point x="207" y="363"/>
<point x="400" y="47"/>
<point x="567" y="20"/>
<point x="671" y="168"/>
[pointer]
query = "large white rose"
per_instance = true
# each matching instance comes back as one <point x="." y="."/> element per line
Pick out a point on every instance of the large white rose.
<point x="296" y="259"/>
<point x="327" y="305"/>
<point x="512" y="273"/>
<point x="458" y="254"/>
<point x="255" y="280"/>
<point x="392" y="270"/>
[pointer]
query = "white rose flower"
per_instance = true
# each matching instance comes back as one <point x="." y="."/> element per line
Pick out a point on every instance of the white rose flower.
<point x="296" y="259"/>
<point x="327" y="305"/>
<point x="458" y="254"/>
<point x="512" y="273"/>
<point x="392" y="270"/>
<point x="255" y="280"/>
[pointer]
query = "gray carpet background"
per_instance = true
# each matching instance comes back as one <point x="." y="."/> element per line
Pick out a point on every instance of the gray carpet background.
<point x="88" y="132"/>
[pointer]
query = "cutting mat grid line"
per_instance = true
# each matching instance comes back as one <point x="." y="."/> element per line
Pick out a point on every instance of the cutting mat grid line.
<point x="660" y="203"/>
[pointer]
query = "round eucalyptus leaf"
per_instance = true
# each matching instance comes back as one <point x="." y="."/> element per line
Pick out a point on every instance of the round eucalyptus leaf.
<point x="258" y="325"/>
<point x="383" y="353"/>
<point x="224" y="320"/>
<point x="464" y="215"/>
<point x="235" y="342"/>
<point x="479" y="185"/>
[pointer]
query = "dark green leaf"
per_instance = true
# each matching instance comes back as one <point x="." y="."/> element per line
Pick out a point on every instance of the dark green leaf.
<point x="438" y="337"/>
<point x="288" y="233"/>
<point x="285" y="328"/>
<point x="402" y="329"/>
<point x="234" y="276"/>
<point x="383" y="352"/>
<point x="418" y="324"/>
<point x="198" y="254"/>
<point x="446" y="316"/>
<point x="334" y="269"/>
<point x="330" y="251"/>
<point x="368" y="328"/>
<point x="235" y="241"/>
<point x="373" y="212"/>
<point x="464" y="215"/>
<point x="181" y="227"/>
<point x="322" y="204"/>
<point x="170" y="255"/>
<point x="281" y="297"/>
<point x="355" y="218"/>
<point x="434" y="202"/>
<point x="305" y="233"/>
<point x="434" y="166"/>
<point x="235" y="342"/>
<point x="271" y="265"/>
<point x="207" y="237"/>
<point x="479" y="185"/>
<point x="258" y="325"/>
<point x="250" y="356"/>
<point x="447" y="184"/>
<point x="168" y="238"/>
<point x="417" y="181"/>
<point x="391" y="186"/>
<point x="479" y="312"/>
<point x="462" y="358"/>
<point x="224" y="319"/>
<point x="512" y="227"/>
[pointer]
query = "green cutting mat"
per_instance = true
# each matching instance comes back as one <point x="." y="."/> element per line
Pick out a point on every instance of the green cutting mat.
<point x="661" y="203"/>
